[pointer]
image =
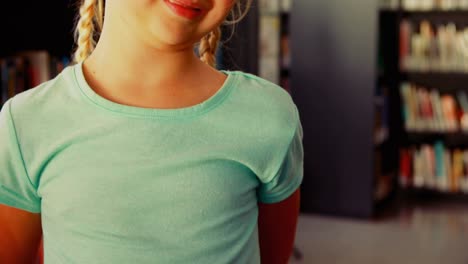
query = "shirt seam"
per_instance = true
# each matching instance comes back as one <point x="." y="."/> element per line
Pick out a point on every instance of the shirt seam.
<point x="159" y="117"/>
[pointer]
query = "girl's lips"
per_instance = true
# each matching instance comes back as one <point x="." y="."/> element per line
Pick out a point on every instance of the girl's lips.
<point x="185" y="8"/>
<point x="187" y="3"/>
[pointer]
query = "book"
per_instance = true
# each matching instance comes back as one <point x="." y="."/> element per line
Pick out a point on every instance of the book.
<point x="440" y="170"/>
<point x="427" y="113"/>
<point x="40" y="66"/>
<point x="269" y="6"/>
<point x="26" y="70"/>
<point x="269" y="48"/>
<point x="463" y="102"/>
<point x="429" y="166"/>
<point x="418" y="173"/>
<point x="286" y="5"/>
<point x="439" y="124"/>
<point x="464" y="180"/>
<point x="405" y="168"/>
<point x="406" y="111"/>
<point x="11" y="79"/>
<point x="450" y="113"/>
<point x="457" y="172"/>
<point x="20" y="81"/>
<point x="445" y="182"/>
<point x="406" y="31"/>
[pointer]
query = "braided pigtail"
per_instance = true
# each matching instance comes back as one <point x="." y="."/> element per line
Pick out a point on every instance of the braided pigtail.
<point x="208" y="47"/>
<point x="209" y="43"/>
<point x="239" y="11"/>
<point x="91" y="16"/>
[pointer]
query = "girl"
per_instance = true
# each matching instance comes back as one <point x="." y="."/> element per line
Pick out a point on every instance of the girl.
<point x="142" y="152"/>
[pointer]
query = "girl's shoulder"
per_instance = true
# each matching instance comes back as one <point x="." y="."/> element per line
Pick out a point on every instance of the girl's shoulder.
<point x="45" y="94"/>
<point x="263" y="95"/>
<point x="254" y="81"/>
<point x="35" y="108"/>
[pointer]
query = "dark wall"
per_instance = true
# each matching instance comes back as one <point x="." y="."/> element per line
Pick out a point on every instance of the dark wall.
<point x="37" y="25"/>
<point x="333" y="78"/>
<point x="240" y="50"/>
<point x="49" y="25"/>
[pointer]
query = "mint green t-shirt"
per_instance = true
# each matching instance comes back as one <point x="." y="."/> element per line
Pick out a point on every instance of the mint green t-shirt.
<point x="123" y="184"/>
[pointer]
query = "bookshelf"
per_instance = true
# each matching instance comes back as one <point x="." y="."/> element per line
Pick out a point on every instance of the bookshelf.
<point x="39" y="43"/>
<point x="347" y="83"/>
<point x="274" y="41"/>
<point x="423" y="64"/>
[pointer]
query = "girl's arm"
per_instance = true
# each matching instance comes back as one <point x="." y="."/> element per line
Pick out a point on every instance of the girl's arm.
<point x="20" y="235"/>
<point x="277" y="229"/>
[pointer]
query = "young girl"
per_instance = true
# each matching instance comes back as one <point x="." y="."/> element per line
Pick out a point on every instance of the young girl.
<point x="142" y="152"/>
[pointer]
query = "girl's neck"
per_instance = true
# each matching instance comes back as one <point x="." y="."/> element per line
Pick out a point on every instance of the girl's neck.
<point x="128" y="71"/>
<point x="139" y="65"/>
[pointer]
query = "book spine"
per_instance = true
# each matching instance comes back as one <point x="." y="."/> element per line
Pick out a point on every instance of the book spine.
<point x="27" y="70"/>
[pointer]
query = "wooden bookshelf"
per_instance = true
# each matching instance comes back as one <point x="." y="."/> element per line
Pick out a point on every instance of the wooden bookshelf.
<point x="424" y="195"/>
<point x="447" y="82"/>
<point x="443" y="81"/>
<point x="274" y="55"/>
<point x="451" y="139"/>
<point x="435" y="14"/>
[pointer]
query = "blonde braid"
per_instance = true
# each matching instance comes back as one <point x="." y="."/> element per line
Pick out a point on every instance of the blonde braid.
<point x="237" y="14"/>
<point x="91" y="11"/>
<point x="208" y="47"/>
<point x="100" y="14"/>
<point x="209" y="43"/>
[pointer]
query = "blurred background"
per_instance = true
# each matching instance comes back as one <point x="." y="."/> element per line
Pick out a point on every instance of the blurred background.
<point x="382" y="91"/>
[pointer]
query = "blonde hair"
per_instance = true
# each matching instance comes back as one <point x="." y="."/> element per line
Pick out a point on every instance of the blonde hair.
<point x="91" y="20"/>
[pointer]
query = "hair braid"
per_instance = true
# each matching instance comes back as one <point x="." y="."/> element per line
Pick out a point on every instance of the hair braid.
<point x="100" y="14"/>
<point x="209" y="43"/>
<point x="91" y="11"/>
<point x="208" y="47"/>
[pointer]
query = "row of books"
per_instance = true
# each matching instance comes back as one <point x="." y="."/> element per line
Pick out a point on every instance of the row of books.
<point x="389" y="4"/>
<point x="434" y="4"/>
<point x="434" y="167"/>
<point x="274" y="49"/>
<point x="427" y="109"/>
<point x="433" y="47"/>
<point x="424" y="5"/>
<point x="269" y="48"/>
<point x="26" y="70"/>
<point x="274" y="6"/>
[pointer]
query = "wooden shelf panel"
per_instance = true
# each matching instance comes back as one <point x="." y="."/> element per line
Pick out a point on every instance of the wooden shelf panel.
<point x="426" y="194"/>
<point x="459" y="17"/>
<point x="435" y="13"/>
<point x="444" y="81"/>
<point x="450" y="139"/>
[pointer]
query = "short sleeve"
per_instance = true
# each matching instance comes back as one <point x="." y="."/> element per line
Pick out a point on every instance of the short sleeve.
<point x="289" y="176"/>
<point x="16" y="188"/>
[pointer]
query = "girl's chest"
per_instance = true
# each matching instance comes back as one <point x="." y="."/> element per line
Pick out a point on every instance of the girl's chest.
<point x="89" y="186"/>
